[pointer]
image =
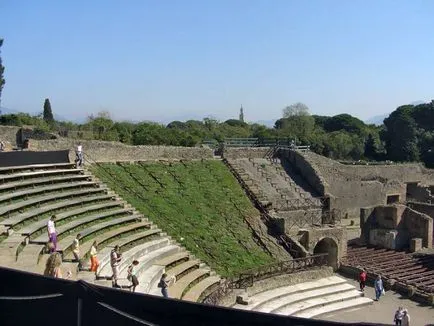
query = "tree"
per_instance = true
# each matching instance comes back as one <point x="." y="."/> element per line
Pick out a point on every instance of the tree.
<point x="370" y="148"/>
<point x="2" y="70"/>
<point x="296" y="109"/>
<point x="48" y="114"/>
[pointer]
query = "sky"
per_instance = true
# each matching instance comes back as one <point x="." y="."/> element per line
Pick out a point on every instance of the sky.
<point x="165" y="60"/>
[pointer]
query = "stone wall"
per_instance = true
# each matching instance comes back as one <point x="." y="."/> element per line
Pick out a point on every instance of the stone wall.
<point x="245" y="152"/>
<point x="103" y="151"/>
<point x="419" y="225"/>
<point x="394" y="226"/>
<point x="337" y="234"/>
<point x="8" y="135"/>
<point x="305" y="168"/>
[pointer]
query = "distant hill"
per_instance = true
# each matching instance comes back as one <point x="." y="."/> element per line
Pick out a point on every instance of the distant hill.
<point x="267" y="123"/>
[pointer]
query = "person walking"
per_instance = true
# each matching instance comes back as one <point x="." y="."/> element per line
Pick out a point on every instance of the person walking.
<point x="53" y="266"/>
<point x="362" y="280"/>
<point x="76" y="250"/>
<point x="132" y="275"/>
<point x="399" y="314"/>
<point x="93" y="257"/>
<point x="79" y="156"/>
<point x="379" y="289"/>
<point x="406" y="318"/>
<point x="165" y="282"/>
<point x="52" y="235"/>
<point x="115" y="258"/>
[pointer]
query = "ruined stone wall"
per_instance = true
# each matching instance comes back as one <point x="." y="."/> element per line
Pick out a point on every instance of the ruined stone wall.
<point x="103" y="151"/>
<point x="245" y="152"/>
<point x="306" y="169"/>
<point x="419" y="225"/>
<point x="8" y="135"/>
<point x="425" y="208"/>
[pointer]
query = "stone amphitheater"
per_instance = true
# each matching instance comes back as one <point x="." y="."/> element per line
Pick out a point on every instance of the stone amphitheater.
<point x="360" y="216"/>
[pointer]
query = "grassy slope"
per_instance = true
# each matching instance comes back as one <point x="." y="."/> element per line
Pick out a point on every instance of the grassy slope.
<point x="198" y="201"/>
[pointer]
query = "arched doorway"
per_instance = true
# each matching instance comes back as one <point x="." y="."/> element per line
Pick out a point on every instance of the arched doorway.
<point x="330" y="247"/>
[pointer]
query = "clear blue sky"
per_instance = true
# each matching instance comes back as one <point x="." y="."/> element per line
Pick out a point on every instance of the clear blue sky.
<point x="179" y="59"/>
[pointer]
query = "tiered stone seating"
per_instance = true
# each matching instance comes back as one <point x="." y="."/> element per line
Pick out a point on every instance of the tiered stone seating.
<point x="409" y="269"/>
<point x="82" y="204"/>
<point x="308" y="299"/>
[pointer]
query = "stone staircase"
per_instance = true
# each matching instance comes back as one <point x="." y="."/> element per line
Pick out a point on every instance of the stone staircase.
<point x="272" y="185"/>
<point x="308" y="299"/>
<point x="83" y="204"/>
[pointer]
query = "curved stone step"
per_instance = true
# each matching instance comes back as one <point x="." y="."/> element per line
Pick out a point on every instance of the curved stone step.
<point x="58" y="186"/>
<point x="312" y="303"/>
<point x="196" y="291"/>
<point x="336" y="306"/>
<point x="6" y="169"/>
<point x="38" y="181"/>
<point x="19" y="218"/>
<point x="51" y="197"/>
<point x="181" y="268"/>
<point x="176" y="290"/>
<point x="280" y="302"/>
<point x="173" y="258"/>
<point x="104" y="270"/>
<point x="37" y="226"/>
<point x="150" y="279"/>
<point x="261" y="298"/>
<point x="111" y="235"/>
<point x="81" y="221"/>
<point x="5" y="178"/>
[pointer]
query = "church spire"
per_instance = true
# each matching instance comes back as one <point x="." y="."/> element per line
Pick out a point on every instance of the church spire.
<point x="241" y="114"/>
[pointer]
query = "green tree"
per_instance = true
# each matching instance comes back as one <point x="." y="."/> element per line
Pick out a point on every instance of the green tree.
<point x="2" y="70"/>
<point x="48" y="114"/>
<point x="296" y="123"/>
<point x="370" y="148"/>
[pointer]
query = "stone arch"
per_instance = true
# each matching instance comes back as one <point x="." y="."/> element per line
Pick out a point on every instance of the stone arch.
<point x="328" y="245"/>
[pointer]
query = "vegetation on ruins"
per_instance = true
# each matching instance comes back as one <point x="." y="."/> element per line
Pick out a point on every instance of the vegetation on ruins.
<point x="2" y="70"/>
<point x="199" y="203"/>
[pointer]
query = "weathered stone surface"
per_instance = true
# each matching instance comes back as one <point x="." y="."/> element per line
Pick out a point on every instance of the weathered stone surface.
<point x="415" y="244"/>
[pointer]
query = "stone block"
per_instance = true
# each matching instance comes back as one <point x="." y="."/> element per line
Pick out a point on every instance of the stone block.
<point x="415" y="244"/>
<point x="243" y="299"/>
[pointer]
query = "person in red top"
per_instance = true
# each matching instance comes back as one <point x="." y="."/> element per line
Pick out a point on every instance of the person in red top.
<point x="362" y="280"/>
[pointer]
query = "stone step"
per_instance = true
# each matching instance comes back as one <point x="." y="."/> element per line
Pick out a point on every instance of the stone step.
<point x="66" y="243"/>
<point x="7" y="209"/>
<point x="196" y="291"/>
<point x="173" y="258"/>
<point x="147" y="260"/>
<point x="32" y="182"/>
<point x="149" y="280"/>
<point x="333" y="307"/>
<point x="82" y="221"/>
<point x="36" y="211"/>
<point x="262" y="297"/>
<point x="111" y="235"/>
<point x="181" y="268"/>
<point x="176" y="290"/>
<point x="7" y="170"/>
<point x="37" y="190"/>
<point x="298" y="308"/>
<point x="104" y="269"/>
<point x="37" y="226"/>
<point x="295" y="298"/>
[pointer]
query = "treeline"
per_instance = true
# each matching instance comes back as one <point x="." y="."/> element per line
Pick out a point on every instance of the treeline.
<point x="406" y="135"/>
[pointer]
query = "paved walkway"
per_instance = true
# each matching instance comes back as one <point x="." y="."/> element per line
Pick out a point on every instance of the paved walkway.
<point x="384" y="310"/>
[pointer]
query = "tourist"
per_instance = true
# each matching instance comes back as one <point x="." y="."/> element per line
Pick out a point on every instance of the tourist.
<point x="406" y="318"/>
<point x="2" y="146"/>
<point x="93" y="258"/>
<point x="52" y="266"/>
<point x="79" y="156"/>
<point x="379" y="289"/>
<point x="115" y="258"/>
<point x="165" y="282"/>
<point x="52" y="235"/>
<point x="362" y="280"/>
<point x="399" y="314"/>
<point x="132" y="275"/>
<point x="76" y="249"/>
